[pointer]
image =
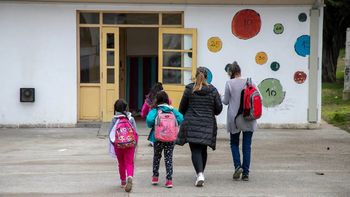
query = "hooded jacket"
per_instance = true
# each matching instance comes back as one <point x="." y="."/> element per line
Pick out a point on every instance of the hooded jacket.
<point x="199" y="109"/>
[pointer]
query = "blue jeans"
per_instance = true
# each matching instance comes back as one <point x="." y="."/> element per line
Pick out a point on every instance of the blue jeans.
<point x="246" y="150"/>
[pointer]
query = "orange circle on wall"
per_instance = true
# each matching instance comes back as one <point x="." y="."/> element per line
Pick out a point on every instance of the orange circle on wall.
<point x="261" y="58"/>
<point x="214" y="44"/>
<point x="246" y="24"/>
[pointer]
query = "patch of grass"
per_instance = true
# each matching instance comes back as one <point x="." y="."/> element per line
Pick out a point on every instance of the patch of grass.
<point x="341" y="65"/>
<point x="335" y="110"/>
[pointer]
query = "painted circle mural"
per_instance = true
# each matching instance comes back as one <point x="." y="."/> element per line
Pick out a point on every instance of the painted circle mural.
<point x="227" y="67"/>
<point x="275" y="66"/>
<point x="300" y="77"/>
<point x="302" y="17"/>
<point x="214" y="44"/>
<point x="302" y="45"/>
<point x="190" y="54"/>
<point x="261" y="58"/>
<point x="209" y="75"/>
<point x="278" y="28"/>
<point x="272" y="92"/>
<point x="246" y="24"/>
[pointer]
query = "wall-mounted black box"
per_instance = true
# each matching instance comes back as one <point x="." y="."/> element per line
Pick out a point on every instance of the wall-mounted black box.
<point x="27" y="94"/>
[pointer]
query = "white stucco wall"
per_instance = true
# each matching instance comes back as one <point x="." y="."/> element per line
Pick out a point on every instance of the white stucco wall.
<point x="38" y="49"/>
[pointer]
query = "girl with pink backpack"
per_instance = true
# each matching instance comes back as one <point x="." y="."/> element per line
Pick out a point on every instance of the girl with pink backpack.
<point x="123" y="139"/>
<point x="164" y="121"/>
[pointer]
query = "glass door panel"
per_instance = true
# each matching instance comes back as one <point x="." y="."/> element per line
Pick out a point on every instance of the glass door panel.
<point x="177" y="59"/>
<point x="89" y="54"/>
<point x="177" y="41"/>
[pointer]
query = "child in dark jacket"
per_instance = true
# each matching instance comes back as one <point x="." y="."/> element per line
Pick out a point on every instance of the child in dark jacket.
<point x="162" y="103"/>
<point x="125" y="156"/>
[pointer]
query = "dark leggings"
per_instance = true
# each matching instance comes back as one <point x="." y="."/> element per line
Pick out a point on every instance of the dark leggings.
<point x="168" y="148"/>
<point x="199" y="156"/>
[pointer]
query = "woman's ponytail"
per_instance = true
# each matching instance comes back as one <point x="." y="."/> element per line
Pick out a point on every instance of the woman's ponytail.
<point x="201" y="79"/>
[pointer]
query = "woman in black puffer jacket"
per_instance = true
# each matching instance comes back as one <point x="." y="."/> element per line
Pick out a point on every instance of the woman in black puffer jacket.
<point x="199" y="105"/>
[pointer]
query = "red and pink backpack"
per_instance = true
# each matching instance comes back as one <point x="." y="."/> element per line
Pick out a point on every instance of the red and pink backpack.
<point x="125" y="134"/>
<point x="166" y="127"/>
<point x="251" y="103"/>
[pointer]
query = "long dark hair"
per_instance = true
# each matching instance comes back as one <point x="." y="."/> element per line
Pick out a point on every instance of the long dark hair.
<point x="161" y="98"/>
<point x="234" y="69"/>
<point x="201" y="78"/>
<point x="157" y="87"/>
<point x="121" y="106"/>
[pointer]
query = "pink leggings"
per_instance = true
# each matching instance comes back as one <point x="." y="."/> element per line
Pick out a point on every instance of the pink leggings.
<point x="125" y="158"/>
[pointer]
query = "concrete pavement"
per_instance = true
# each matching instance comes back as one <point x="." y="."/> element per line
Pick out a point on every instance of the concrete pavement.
<point x="74" y="162"/>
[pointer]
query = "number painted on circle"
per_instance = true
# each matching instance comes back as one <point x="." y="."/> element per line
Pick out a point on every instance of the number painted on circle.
<point x="214" y="44"/>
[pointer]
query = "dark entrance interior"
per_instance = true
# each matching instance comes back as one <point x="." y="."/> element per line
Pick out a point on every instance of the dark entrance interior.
<point x="138" y="64"/>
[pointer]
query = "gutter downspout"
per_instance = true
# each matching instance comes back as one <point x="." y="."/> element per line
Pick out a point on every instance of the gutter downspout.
<point x="315" y="62"/>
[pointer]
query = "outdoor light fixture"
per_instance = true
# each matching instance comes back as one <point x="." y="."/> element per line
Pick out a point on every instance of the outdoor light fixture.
<point x="27" y="94"/>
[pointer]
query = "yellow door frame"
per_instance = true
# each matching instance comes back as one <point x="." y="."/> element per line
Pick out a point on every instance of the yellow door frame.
<point x="109" y="73"/>
<point x="175" y="91"/>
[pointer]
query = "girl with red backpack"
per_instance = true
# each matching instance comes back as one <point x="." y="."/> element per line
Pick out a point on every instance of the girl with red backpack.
<point x="123" y="139"/>
<point x="164" y="121"/>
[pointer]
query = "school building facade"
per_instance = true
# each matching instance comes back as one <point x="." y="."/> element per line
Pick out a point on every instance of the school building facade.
<point x="65" y="62"/>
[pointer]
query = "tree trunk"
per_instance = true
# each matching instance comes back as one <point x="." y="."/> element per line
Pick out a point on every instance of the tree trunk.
<point x="329" y="62"/>
<point x="332" y="42"/>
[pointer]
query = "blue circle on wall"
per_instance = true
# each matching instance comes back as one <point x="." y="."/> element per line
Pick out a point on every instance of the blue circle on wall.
<point x="302" y="45"/>
<point x="209" y="75"/>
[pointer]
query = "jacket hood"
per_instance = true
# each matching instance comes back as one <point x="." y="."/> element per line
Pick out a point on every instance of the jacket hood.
<point x="118" y="115"/>
<point x="165" y="107"/>
<point x="204" y="91"/>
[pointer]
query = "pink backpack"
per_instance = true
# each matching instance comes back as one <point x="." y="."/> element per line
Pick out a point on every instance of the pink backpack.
<point x="125" y="134"/>
<point x="166" y="127"/>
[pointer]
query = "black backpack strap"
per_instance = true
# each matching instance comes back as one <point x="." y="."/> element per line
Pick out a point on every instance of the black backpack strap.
<point x="249" y="81"/>
<point x="240" y="109"/>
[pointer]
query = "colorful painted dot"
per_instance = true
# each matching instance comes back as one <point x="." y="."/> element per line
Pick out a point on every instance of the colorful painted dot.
<point x="261" y="58"/>
<point x="278" y="28"/>
<point x="302" y="45"/>
<point x="272" y="92"/>
<point x="214" y="44"/>
<point x="227" y="67"/>
<point x="246" y="24"/>
<point x="190" y="54"/>
<point x="302" y="17"/>
<point x="209" y="75"/>
<point x="275" y="66"/>
<point x="300" y="77"/>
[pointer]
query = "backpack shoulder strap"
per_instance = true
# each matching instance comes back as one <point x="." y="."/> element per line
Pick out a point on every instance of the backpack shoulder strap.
<point x="249" y="81"/>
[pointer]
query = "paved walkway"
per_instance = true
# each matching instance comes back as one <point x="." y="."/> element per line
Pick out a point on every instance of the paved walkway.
<point x="74" y="162"/>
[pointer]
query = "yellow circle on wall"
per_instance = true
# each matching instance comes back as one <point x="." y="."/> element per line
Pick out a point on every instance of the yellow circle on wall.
<point x="261" y="58"/>
<point x="214" y="44"/>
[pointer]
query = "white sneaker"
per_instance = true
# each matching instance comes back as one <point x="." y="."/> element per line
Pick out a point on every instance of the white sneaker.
<point x="200" y="180"/>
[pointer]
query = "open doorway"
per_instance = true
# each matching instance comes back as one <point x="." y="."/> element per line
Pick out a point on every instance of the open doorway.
<point x="138" y="65"/>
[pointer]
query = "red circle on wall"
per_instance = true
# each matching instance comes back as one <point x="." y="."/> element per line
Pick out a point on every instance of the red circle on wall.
<point x="300" y="77"/>
<point x="246" y="24"/>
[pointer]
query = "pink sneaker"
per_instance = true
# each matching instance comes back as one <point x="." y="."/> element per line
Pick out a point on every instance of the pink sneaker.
<point x="155" y="180"/>
<point x="169" y="184"/>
